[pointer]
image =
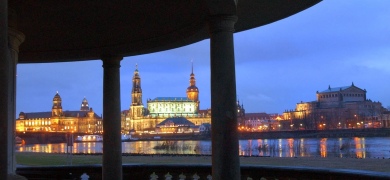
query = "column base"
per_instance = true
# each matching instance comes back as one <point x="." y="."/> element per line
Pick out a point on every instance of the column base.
<point x="15" y="177"/>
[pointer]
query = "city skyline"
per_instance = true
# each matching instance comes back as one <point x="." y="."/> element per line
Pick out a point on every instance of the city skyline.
<point x="278" y="65"/>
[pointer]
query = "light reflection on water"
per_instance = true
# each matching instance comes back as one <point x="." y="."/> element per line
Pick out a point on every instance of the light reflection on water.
<point x="373" y="147"/>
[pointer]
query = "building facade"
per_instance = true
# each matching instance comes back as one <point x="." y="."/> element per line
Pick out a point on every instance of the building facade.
<point x="157" y="110"/>
<point x="340" y="107"/>
<point x="172" y="107"/>
<point x="176" y="125"/>
<point x="260" y="122"/>
<point x="83" y="121"/>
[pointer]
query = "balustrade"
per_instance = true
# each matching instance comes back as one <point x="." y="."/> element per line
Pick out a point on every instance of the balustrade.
<point x="195" y="172"/>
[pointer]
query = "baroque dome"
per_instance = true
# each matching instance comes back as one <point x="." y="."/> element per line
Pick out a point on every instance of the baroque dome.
<point x="57" y="96"/>
<point x="192" y="88"/>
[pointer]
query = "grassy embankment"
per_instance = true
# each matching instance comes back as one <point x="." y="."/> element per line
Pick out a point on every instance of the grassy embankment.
<point x="370" y="164"/>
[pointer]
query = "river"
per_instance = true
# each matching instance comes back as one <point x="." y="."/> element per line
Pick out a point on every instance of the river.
<point x="357" y="147"/>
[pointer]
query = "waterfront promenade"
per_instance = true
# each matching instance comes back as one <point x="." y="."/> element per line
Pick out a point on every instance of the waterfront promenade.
<point x="368" y="164"/>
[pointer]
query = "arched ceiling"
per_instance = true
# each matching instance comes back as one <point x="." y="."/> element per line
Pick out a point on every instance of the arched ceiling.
<point x="58" y="31"/>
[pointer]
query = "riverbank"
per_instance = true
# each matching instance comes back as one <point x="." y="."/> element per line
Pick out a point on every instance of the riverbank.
<point x="61" y="137"/>
<point x="369" y="164"/>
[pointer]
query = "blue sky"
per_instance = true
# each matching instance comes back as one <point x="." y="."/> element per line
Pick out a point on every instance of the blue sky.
<point x="278" y="65"/>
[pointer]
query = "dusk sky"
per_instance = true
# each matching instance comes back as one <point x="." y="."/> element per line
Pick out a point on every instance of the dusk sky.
<point x="277" y="65"/>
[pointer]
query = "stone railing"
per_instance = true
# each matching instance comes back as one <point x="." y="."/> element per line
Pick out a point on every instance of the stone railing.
<point x="194" y="172"/>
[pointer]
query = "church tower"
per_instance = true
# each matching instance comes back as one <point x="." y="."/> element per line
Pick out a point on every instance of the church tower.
<point x="136" y="107"/>
<point x="84" y="105"/>
<point x="56" y="110"/>
<point x="192" y="90"/>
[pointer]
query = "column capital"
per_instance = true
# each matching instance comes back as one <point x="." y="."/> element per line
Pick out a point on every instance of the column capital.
<point x="111" y="61"/>
<point x="15" y="39"/>
<point x="222" y="23"/>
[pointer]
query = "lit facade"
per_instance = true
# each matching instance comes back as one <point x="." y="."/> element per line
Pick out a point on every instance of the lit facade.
<point x="83" y="121"/>
<point x="176" y="125"/>
<point x="340" y="107"/>
<point x="260" y="122"/>
<point x="172" y="106"/>
<point x="146" y="119"/>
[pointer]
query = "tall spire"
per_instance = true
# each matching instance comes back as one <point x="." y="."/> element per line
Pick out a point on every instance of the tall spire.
<point x="192" y="90"/>
<point x="57" y="107"/>
<point x="84" y="105"/>
<point x="192" y="75"/>
<point x="192" y="67"/>
<point x="136" y="106"/>
<point x="136" y="91"/>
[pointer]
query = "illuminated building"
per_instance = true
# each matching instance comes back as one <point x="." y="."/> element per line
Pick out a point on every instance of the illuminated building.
<point x="260" y="122"/>
<point x="193" y="91"/>
<point x="159" y="109"/>
<point x="176" y="125"/>
<point x="175" y="106"/>
<point x="136" y="107"/>
<point x="171" y="107"/>
<point x="83" y="121"/>
<point x="336" y="108"/>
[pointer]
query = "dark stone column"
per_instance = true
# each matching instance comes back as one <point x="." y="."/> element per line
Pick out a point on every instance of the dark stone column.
<point x="112" y="145"/>
<point x="4" y="89"/>
<point x="15" y="39"/>
<point x="225" y="159"/>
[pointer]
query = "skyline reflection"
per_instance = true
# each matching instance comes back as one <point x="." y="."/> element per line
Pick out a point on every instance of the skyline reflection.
<point x="304" y="147"/>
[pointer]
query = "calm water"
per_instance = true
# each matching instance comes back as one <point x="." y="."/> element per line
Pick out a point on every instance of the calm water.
<point x="372" y="147"/>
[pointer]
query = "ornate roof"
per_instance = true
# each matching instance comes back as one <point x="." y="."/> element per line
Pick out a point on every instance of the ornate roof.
<point x="84" y="105"/>
<point x="34" y="115"/>
<point x="337" y="89"/>
<point x="162" y="99"/>
<point x="177" y="121"/>
<point x="192" y="88"/>
<point x="57" y="96"/>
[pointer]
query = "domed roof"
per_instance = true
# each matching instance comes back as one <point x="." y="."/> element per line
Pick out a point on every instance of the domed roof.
<point x="85" y="105"/>
<point x="57" y="96"/>
<point x="192" y="88"/>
